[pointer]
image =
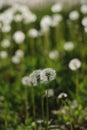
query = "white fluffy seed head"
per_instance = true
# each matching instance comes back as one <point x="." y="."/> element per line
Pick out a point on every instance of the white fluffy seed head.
<point x="47" y="75"/>
<point x="16" y="60"/>
<point x="83" y="9"/>
<point x="6" y="28"/>
<point x="19" y="37"/>
<point x="45" y="23"/>
<point x="74" y="15"/>
<point x="85" y="29"/>
<point x="18" y="18"/>
<point x="33" y="33"/>
<point x="56" y="19"/>
<point x="69" y="46"/>
<point x="29" y="17"/>
<point x="19" y="53"/>
<point x="74" y="64"/>
<point x="34" y="78"/>
<point x="3" y="54"/>
<point x="25" y="80"/>
<point x="57" y="8"/>
<point x="41" y="76"/>
<point x="62" y="96"/>
<point x="5" y="43"/>
<point x="84" y="21"/>
<point x="54" y="54"/>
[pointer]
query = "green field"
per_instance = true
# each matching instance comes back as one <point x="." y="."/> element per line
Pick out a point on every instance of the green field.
<point x="43" y="68"/>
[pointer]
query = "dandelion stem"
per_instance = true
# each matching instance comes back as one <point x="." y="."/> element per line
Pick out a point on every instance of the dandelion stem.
<point x="42" y="106"/>
<point x="77" y="83"/>
<point x="26" y="105"/>
<point x="6" y="124"/>
<point x="47" y="110"/>
<point x="34" y="112"/>
<point x="71" y="127"/>
<point x="6" y="120"/>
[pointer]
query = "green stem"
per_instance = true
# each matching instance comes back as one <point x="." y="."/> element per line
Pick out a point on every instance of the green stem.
<point x="47" y="110"/>
<point x="71" y="127"/>
<point x="34" y="112"/>
<point x="77" y="84"/>
<point x="42" y="106"/>
<point x="26" y="105"/>
<point x="6" y="115"/>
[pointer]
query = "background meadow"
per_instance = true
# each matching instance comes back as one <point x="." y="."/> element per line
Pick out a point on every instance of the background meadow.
<point x="31" y="39"/>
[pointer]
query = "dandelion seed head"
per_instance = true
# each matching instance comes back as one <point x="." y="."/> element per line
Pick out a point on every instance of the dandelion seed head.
<point x="84" y="21"/>
<point x="25" y="80"/>
<point x="68" y="46"/>
<point x="56" y="19"/>
<point x="15" y="59"/>
<point x="57" y="8"/>
<point x="84" y="9"/>
<point x="3" y="54"/>
<point x="45" y="23"/>
<point x="54" y="54"/>
<point x="18" y="18"/>
<point x="62" y="96"/>
<point x="34" y="78"/>
<point x="29" y="17"/>
<point x="5" y="43"/>
<point x="19" y="53"/>
<point x="74" y="64"/>
<point x="74" y="15"/>
<point x="47" y="75"/>
<point x="19" y="37"/>
<point x="6" y="28"/>
<point x="33" y="33"/>
<point x="85" y="29"/>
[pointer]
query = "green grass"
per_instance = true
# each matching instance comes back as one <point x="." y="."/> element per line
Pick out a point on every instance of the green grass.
<point x="36" y="56"/>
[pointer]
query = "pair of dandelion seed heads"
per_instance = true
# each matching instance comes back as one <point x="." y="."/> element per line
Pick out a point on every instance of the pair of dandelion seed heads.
<point x="39" y="77"/>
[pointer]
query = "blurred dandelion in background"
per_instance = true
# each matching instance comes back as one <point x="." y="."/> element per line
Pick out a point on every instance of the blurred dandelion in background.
<point x="19" y="37"/>
<point x="3" y="54"/>
<point x="54" y="54"/>
<point x="68" y="46"/>
<point x="74" y="64"/>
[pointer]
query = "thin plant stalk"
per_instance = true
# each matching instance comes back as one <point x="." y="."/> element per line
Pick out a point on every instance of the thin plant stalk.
<point x="71" y="127"/>
<point x="26" y="105"/>
<point x="47" y="41"/>
<point x="47" y="106"/>
<point x="42" y="107"/>
<point x="34" y="111"/>
<point x="6" y="114"/>
<point x="77" y="84"/>
<point x="6" y="124"/>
